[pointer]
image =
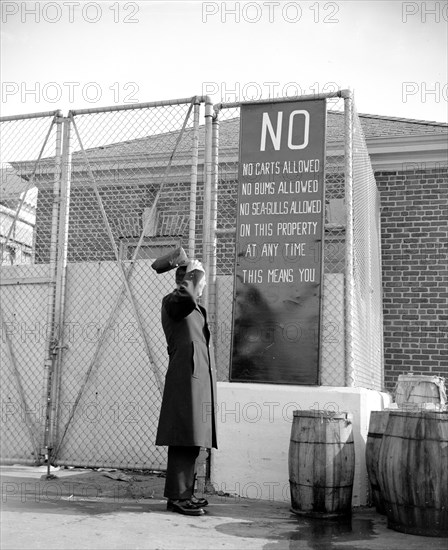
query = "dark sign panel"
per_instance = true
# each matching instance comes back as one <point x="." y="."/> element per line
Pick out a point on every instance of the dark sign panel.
<point x="278" y="247"/>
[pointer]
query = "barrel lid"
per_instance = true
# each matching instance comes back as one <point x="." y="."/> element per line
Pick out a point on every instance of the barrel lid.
<point x="420" y="378"/>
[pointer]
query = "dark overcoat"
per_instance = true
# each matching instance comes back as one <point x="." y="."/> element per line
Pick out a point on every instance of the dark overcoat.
<point x="187" y="415"/>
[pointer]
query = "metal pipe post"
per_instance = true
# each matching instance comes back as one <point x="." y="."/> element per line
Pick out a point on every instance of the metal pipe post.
<point x="349" y="241"/>
<point x="213" y="220"/>
<point x="206" y="232"/>
<point x="194" y="180"/>
<point x="61" y="274"/>
<point x="50" y="358"/>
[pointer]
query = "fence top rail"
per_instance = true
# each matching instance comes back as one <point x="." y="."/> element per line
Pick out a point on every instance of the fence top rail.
<point x="340" y="93"/>
<point x="31" y="115"/>
<point x="162" y="103"/>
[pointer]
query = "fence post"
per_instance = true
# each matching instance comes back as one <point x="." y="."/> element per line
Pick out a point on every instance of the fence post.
<point x="194" y="179"/>
<point x="213" y="223"/>
<point x="349" y="281"/>
<point x="52" y="322"/>
<point x="61" y="274"/>
<point x="207" y="251"/>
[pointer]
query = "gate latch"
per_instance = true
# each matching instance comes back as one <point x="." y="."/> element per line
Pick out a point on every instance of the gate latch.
<point x="55" y="347"/>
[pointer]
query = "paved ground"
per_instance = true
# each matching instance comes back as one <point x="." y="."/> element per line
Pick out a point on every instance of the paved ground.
<point x="85" y="509"/>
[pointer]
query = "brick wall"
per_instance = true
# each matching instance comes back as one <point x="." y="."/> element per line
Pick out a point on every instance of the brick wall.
<point x="414" y="222"/>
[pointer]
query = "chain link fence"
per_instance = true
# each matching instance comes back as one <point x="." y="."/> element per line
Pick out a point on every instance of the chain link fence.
<point x="88" y="202"/>
<point x="367" y="311"/>
<point x="30" y="148"/>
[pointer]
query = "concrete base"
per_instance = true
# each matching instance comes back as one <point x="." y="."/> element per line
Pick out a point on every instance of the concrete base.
<point x="254" y="430"/>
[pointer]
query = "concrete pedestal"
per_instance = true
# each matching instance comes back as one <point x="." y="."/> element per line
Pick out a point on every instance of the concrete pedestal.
<point x="254" y="430"/>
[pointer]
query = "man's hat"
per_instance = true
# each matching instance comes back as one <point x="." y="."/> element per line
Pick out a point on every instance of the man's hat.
<point x="169" y="261"/>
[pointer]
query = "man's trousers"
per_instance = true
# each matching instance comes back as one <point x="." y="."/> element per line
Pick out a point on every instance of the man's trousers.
<point x="180" y="473"/>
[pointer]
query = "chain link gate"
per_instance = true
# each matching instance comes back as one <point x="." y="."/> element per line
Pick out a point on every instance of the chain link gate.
<point x="30" y="150"/>
<point x="351" y="322"/>
<point x="133" y="187"/>
<point x="122" y="188"/>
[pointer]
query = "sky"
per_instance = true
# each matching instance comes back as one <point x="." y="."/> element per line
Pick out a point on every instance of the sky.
<point x="75" y="54"/>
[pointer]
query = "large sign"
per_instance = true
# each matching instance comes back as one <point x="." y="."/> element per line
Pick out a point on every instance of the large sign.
<point x="280" y="221"/>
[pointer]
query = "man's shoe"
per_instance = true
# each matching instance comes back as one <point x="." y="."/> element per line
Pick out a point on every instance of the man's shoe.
<point x="199" y="502"/>
<point x="185" y="507"/>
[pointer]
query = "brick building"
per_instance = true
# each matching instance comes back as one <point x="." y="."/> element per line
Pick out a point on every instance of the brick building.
<point x="410" y="161"/>
<point x="411" y="171"/>
<point x="19" y="248"/>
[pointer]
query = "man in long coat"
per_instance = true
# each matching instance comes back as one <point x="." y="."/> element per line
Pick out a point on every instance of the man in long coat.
<point x="187" y="417"/>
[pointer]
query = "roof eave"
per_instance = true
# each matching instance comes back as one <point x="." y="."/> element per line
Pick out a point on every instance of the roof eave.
<point x="422" y="152"/>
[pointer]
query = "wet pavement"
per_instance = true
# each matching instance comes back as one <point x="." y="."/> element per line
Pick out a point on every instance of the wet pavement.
<point x="87" y="509"/>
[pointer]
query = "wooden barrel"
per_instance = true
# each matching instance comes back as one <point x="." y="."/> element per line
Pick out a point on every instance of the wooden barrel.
<point x="413" y="472"/>
<point x="412" y="391"/>
<point x="321" y="463"/>
<point x="377" y="427"/>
